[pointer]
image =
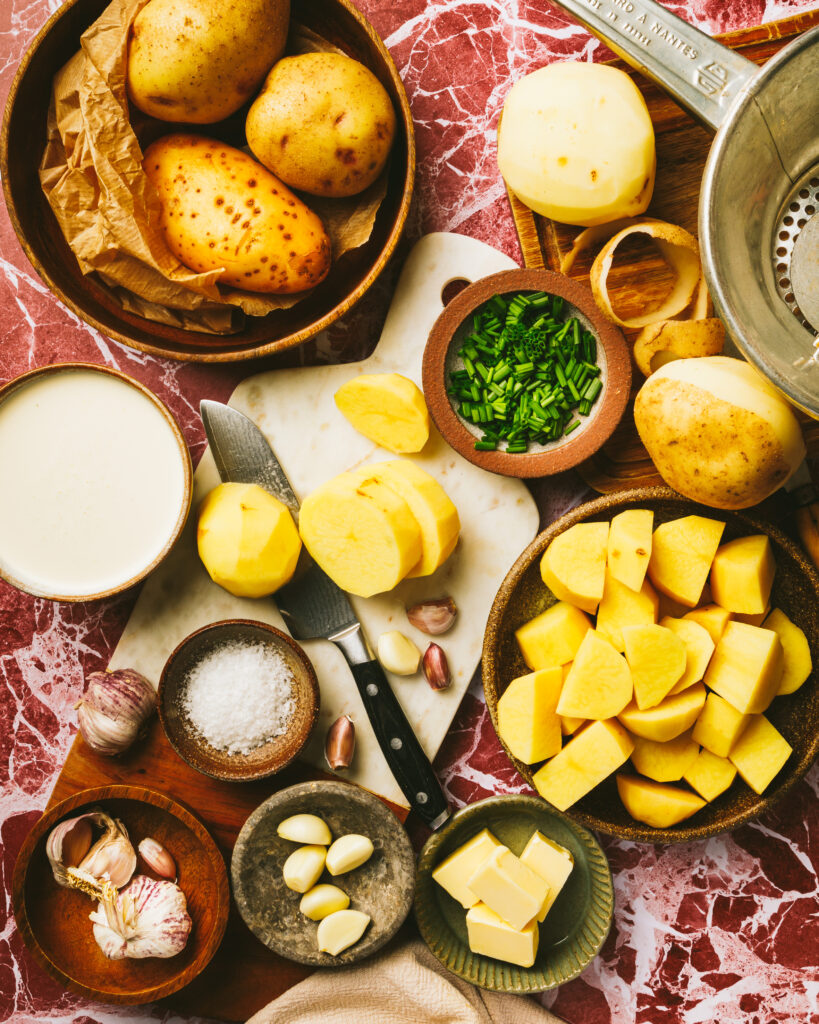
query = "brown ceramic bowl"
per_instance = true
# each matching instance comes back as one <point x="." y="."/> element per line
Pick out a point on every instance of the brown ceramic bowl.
<point x="21" y="147"/>
<point x="54" y="921"/>
<point x="12" y="386"/>
<point x="192" y="746"/>
<point x="441" y="358"/>
<point x="795" y="590"/>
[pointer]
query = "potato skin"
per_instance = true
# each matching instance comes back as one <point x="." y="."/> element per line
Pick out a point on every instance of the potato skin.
<point x="198" y="61"/>
<point x="221" y="209"/>
<point x="323" y="123"/>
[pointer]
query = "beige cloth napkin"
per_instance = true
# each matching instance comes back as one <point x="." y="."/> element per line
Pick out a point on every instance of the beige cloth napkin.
<point x="404" y="985"/>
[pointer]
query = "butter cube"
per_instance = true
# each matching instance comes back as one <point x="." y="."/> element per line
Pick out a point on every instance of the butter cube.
<point x="760" y="753"/>
<point x="746" y="667"/>
<point x="710" y="775"/>
<point x="453" y="873"/>
<point x="553" y="637"/>
<point x="719" y="726"/>
<point x="552" y="862"/>
<point x="490" y="935"/>
<point x="509" y="888"/>
<point x="588" y="758"/>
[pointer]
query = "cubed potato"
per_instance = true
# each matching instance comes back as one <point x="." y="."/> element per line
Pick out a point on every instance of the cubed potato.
<point x="629" y="546"/>
<point x="710" y="775"/>
<point x="682" y="551"/>
<point x="599" y="682"/>
<point x="553" y="637"/>
<point x="569" y="725"/>
<point x="655" y="803"/>
<point x="698" y="649"/>
<point x="746" y="667"/>
<point x="797" y="664"/>
<point x="667" y="719"/>
<point x="710" y="617"/>
<point x="573" y="566"/>
<point x="621" y="606"/>
<point x="657" y="660"/>
<point x="751" y="620"/>
<point x="760" y="753"/>
<point x="527" y="720"/>
<point x="664" y="762"/>
<point x="742" y="574"/>
<point x="719" y="725"/>
<point x="589" y="757"/>
<point x="669" y="608"/>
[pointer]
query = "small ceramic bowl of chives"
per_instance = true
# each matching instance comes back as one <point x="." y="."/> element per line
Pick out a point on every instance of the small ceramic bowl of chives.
<point x="573" y="931"/>
<point x="534" y="400"/>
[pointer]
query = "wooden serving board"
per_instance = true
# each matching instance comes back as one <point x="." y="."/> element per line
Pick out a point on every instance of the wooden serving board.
<point x="682" y="149"/>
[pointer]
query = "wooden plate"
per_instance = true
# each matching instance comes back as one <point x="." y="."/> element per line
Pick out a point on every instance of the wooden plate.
<point x="795" y="590"/>
<point x="54" y="921"/>
<point x="22" y="141"/>
<point x="573" y="931"/>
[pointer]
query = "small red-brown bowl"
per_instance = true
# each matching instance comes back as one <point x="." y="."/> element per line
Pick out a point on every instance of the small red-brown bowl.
<point x="53" y="921"/>
<point x="441" y="358"/>
<point x="191" y="745"/>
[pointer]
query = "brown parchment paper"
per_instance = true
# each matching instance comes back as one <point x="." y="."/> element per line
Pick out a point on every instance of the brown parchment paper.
<point x="91" y="173"/>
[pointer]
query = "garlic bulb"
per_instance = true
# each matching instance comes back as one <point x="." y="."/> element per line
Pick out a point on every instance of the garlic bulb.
<point x="148" y="918"/>
<point x="95" y="869"/>
<point x="114" y="709"/>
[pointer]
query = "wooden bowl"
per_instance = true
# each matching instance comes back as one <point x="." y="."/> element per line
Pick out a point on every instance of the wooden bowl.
<point x="523" y="595"/>
<point x="54" y="921"/>
<point x="441" y="358"/>
<point x="22" y="142"/>
<point x="12" y="386"/>
<point x="382" y="887"/>
<point x="573" y="931"/>
<point x="189" y="743"/>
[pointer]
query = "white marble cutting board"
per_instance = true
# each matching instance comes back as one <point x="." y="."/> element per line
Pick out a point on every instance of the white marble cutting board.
<point x="295" y="410"/>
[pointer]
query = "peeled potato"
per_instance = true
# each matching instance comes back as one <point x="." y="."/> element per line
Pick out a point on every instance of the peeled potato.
<point x="576" y="143"/>
<point x="573" y="566"/>
<point x="387" y="408"/>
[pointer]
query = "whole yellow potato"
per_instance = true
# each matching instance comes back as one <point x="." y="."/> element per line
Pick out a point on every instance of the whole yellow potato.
<point x="220" y="209"/>
<point x="717" y="431"/>
<point x="576" y="143"/>
<point x="198" y="61"/>
<point x="323" y="123"/>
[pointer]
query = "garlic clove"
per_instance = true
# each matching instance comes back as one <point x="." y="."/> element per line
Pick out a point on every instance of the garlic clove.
<point x="433" y="617"/>
<point x="157" y="858"/>
<point x="436" y="668"/>
<point x="339" y="747"/>
<point x="322" y="900"/>
<point x="149" y="918"/>
<point x="93" y="869"/>
<point x="303" y="867"/>
<point x="341" y="930"/>
<point x="398" y="654"/>
<point x="348" y="852"/>
<point x="112" y="858"/>
<point x="67" y="844"/>
<point x="305" y="828"/>
<point x="114" y="709"/>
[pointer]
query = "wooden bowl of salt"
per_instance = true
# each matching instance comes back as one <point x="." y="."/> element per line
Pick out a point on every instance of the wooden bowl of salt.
<point x="238" y="700"/>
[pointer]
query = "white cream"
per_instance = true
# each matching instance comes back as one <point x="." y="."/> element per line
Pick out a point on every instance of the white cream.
<point x="91" y="483"/>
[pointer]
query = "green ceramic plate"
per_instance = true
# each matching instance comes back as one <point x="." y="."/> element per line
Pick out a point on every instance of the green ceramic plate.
<point x="574" y="929"/>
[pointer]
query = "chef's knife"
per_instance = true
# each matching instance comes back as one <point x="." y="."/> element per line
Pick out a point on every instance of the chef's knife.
<point x="316" y="608"/>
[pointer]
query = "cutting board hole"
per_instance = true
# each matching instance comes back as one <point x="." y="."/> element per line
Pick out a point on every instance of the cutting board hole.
<point x="453" y="288"/>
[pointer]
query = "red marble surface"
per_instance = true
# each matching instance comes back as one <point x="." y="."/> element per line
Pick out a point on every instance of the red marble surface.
<point x="725" y="930"/>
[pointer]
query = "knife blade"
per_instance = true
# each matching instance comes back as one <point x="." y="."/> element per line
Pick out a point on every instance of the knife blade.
<point x="314" y="607"/>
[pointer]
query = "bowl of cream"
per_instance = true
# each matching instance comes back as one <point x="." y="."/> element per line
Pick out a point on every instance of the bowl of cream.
<point x="95" y="482"/>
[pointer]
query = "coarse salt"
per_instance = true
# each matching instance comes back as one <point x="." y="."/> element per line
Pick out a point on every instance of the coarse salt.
<point x="240" y="696"/>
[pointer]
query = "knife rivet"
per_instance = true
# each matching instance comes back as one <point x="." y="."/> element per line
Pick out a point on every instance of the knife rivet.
<point x="372" y="690"/>
<point x="421" y="798"/>
<point x="395" y="743"/>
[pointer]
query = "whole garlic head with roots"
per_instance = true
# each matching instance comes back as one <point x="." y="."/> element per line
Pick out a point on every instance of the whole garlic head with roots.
<point x="149" y="918"/>
<point x="95" y="868"/>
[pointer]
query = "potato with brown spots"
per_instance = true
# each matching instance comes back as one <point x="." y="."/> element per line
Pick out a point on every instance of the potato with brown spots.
<point x="198" y="61"/>
<point x="220" y="209"/>
<point x="323" y="123"/>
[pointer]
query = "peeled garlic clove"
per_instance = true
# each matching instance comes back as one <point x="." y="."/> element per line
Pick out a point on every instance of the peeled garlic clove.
<point x="147" y="919"/>
<point x="303" y="867"/>
<point x="305" y="828"/>
<point x="348" y="852"/>
<point x="114" y="709"/>
<point x="111" y="858"/>
<point x="436" y="668"/>
<point x="157" y="858"/>
<point x="433" y="617"/>
<point x="340" y="744"/>
<point x="322" y="900"/>
<point x="340" y="930"/>
<point x="76" y="864"/>
<point x="398" y="654"/>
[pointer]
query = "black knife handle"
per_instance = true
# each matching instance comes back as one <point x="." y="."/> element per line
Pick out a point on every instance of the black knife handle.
<point x="404" y="754"/>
